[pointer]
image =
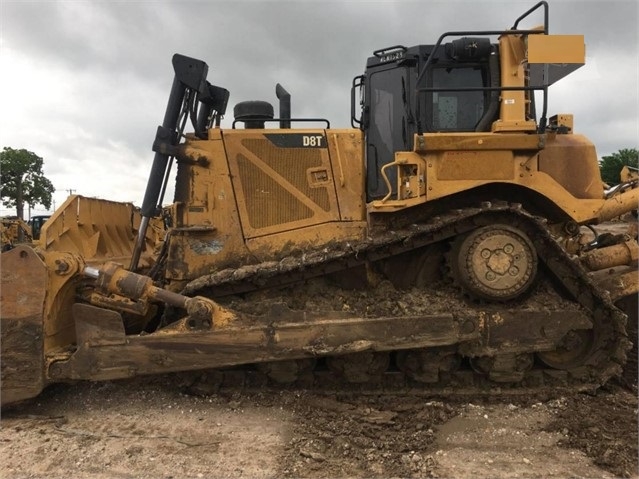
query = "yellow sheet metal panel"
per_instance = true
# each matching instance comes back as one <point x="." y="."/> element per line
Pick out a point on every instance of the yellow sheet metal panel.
<point x="556" y="49"/>
<point x="476" y="165"/>
<point x="572" y="161"/>
<point x="346" y="148"/>
<point x="207" y="232"/>
<point x="309" y="238"/>
<point x="552" y="57"/>
<point x="479" y="141"/>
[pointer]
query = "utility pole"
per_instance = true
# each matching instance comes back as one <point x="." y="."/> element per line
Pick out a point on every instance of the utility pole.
<point x="70" y="191"/>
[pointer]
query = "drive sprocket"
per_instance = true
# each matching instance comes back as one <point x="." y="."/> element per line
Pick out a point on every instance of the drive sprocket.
<point x="494" y="263"/>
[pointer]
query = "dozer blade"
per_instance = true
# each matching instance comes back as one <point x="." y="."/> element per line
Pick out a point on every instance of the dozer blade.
<point x="22" y="295"/>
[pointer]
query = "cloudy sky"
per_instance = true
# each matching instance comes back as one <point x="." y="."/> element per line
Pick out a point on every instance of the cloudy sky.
<point x="84" y="84"/>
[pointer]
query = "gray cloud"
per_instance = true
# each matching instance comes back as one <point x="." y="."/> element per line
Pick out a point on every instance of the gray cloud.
<point x="85" y="83"/>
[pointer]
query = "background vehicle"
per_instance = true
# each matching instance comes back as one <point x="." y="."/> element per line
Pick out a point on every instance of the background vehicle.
<point x="14" y="231"/>
<point x="36" y="222"/>
<point x="444" y="237"/>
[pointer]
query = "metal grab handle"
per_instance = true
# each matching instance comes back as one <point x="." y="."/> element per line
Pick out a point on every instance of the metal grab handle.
<point x="387" y="181"/>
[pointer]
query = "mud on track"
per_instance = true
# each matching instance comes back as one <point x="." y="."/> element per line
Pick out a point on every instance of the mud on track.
<point x="150" y="428"/>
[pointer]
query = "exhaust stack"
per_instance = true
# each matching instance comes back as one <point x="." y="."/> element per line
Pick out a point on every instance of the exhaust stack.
<point x="285" y="106"/>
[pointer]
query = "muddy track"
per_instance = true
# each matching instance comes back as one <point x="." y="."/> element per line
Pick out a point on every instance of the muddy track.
<point x="292" y="273"/>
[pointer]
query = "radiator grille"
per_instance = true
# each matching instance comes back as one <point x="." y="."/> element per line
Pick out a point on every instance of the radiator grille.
<point x="268" y="203"/>
<point x="292" y="164"/>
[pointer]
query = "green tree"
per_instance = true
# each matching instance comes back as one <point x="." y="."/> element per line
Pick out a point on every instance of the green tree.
<point x="611" y="165"/>
<point x="22" y="180"/>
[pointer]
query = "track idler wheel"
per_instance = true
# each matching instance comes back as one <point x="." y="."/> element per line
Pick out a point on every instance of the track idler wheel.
<point x="495" y="263"/>
<point x="359" y="367"/>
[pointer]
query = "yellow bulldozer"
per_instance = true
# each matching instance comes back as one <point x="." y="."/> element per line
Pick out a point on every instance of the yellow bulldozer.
<point x="13" y="231"/>
<point x="444" y="242"/>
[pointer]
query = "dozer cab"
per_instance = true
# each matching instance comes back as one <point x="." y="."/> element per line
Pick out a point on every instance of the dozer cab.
<point x="35" y="223"/>
<point x="444" y="241"/>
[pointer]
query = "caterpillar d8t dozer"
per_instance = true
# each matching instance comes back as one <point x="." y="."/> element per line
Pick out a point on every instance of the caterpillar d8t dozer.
<point x="444" y="241"/>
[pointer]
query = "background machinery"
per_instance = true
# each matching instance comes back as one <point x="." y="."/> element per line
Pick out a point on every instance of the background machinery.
<point x="14" y="231"/>
<point x="445" y="240"/>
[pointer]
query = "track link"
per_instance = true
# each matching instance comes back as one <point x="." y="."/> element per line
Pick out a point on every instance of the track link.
<point x="610" y="342"/>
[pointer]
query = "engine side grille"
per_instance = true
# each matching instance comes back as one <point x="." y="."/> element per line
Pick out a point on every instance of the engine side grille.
<point x="292" y="164"/>
<point x="290" y="192"/>
<point x="267" y="202"/>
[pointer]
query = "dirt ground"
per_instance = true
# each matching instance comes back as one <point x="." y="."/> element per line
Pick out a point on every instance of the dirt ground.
<point x="150" y="428"/>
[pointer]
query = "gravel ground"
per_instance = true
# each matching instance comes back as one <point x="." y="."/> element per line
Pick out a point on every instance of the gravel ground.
<point x="149" y="428"/>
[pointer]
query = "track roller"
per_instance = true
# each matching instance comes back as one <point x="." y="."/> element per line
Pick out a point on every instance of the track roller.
<point x="426" y="365"/>
<point x="359" y="367"/>
<point x="287" y="372"/>
<point x="574" y="349"/>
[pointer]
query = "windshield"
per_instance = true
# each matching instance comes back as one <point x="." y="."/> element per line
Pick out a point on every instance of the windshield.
<point x="455" y="110"/>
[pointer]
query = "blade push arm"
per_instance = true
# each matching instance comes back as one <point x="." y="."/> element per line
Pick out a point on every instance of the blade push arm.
<point x="189" y="89"/>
